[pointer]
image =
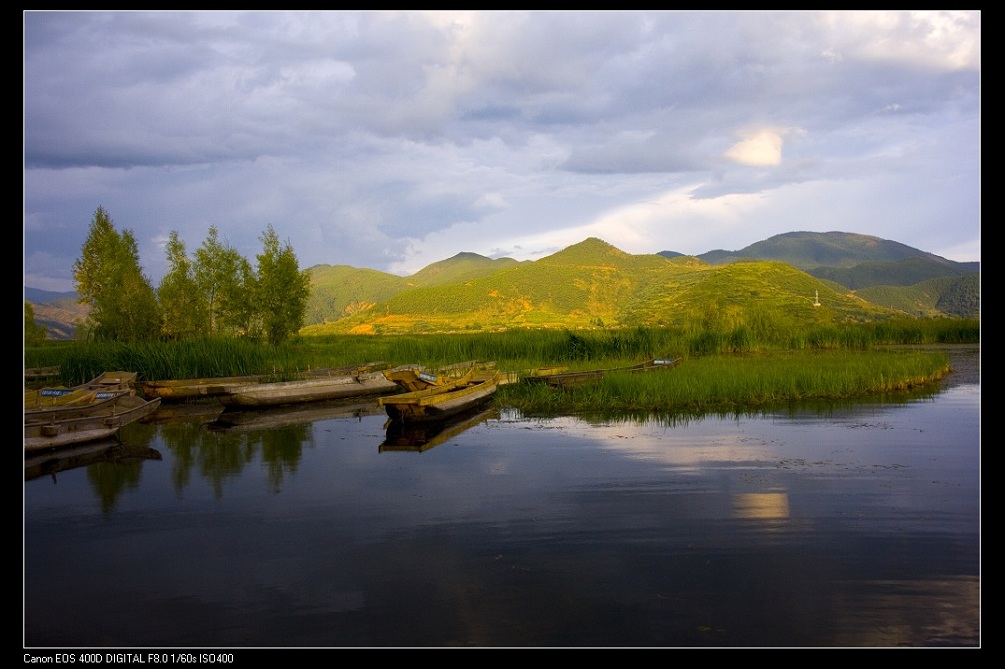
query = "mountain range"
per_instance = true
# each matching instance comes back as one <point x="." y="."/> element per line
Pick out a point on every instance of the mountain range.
<point x="590" y="284"/>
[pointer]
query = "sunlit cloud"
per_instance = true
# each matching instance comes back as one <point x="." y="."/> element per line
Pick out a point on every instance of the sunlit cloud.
<point x="760" y="148"/>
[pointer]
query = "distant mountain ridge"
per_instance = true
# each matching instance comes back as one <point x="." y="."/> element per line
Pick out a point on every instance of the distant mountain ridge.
<point x="853" y="260"/>
<point x="807" y="250"/>
<point x="874" y="267"/>
<point x="57" y="311"/>
<point x="593" y="283"/>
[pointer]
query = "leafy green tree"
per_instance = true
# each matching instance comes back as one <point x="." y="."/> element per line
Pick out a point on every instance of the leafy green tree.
<point x="220" y="274"/>
<point x="183" y="306"/>
<point x="109" y="278"/>
<point x="243" y="314"/>
<point x="282" y="289"/>
<point x="34" y="334"/>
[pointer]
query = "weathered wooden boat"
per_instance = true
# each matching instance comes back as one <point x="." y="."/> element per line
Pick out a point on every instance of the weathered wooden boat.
<point x="568" y="379"/>
<point x="82" y="455"/>
<point x="422" y="436"/>
<point x="33" y="374"/>
<point x="439" y="402"/>
<point x="102" y="386"/>
<point x="417" y="377"/>
<point x="342" y="383"/>
<point x="180" y="390"/>
<point x="92" y="402"/>
<point x="41" y="433"/>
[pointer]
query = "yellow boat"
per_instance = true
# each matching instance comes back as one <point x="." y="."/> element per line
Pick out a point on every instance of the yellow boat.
<point x="440" y="402"/>
<point x="103" y="386"/>
<point x="417" y="377"/>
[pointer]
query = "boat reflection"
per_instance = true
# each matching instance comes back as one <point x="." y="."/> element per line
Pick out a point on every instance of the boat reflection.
<point x="197" y="410"/>
<point x="84" y="455"/>
<point x="420" y="437"/>
<point x="273" y="417"/>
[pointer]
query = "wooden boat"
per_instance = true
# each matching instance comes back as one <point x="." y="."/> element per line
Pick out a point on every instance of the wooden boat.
<point x="40" y="373"/>
<point x="567" y="379"/>
<point x="41" y="434"/>
<point x="439" y="402"/>
<point x="341" y="384"/>
<point x="180" y="390"/>
<point x="417" y="377"/>
<point x="92" y="402"/>
<point x="102" y="386"/>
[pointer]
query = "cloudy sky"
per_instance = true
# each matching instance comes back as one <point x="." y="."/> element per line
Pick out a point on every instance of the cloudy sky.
<point x="393" y="140"/>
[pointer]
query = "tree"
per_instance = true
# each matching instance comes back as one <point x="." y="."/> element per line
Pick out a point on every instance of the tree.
<point x="243" y="316"/>
<point x="282" y="289"/>
<point x="183" y="307"/>
<point x="220" y="274"/>
<point x="34" y="334"/>
<point x="109" y="278"/>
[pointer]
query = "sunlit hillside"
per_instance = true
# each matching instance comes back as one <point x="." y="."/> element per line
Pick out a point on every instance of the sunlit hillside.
<point x="593" y="284"/>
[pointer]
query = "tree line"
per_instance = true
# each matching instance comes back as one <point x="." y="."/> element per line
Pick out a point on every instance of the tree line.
<point x="214" y="292"/>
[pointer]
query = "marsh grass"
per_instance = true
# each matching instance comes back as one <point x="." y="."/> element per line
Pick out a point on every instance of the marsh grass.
<point x="727" y="383"/>
<point x="722" y="367"/>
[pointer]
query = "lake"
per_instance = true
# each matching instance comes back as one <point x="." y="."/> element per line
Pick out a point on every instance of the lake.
<point x="844" y="525"/>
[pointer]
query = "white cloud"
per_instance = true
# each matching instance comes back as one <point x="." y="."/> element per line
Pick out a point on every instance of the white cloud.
<point x="762" y="148"/>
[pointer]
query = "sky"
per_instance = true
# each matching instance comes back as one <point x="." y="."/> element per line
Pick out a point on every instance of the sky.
<point x="393" y="140"/>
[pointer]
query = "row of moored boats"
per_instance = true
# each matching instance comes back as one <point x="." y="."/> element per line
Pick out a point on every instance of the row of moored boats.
<point x="57" y="417"/>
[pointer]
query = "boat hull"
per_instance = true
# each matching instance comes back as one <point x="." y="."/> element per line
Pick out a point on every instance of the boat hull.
<point x="571" y="379"/>
<point x="104" y="385"/>
<point x="42" y="434"/>
<point x="188" y="389"/>
<point x="439" y="403"/>
<point x="311" y="390"/>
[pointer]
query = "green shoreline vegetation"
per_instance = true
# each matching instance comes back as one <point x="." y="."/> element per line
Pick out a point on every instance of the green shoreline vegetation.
<point x="721" y="370"/>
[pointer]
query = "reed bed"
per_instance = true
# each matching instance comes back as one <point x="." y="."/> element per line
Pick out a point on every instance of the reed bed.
<point x="728" y="383"/>
<point x="722" y="368"/>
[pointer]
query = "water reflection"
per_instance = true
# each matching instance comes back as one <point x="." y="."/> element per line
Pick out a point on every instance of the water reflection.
<point x="761" y="505"/>
<point x="847" y="525"/>
<point x="124" y="462"/>
<point x="305" y="414"/>
<point x="419" y="437"/>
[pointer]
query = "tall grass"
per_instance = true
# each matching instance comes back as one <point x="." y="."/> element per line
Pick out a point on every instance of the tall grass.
<point x="726" y="383"/>
<point x="512" y="350"/>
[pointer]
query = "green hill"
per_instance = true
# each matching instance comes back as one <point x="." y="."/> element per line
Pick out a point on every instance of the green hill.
<point x="594" y="284"/>
<point x="906" y="272"/>
<point x="944" y="296"/>
<point x="462" y="267"/>
<point x="338" y="291"/>
<point x="886" y="272"/>
<point x="809" y="250"/>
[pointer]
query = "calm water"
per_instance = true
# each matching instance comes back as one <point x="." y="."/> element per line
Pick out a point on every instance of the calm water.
<point x="856" y="525"/>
